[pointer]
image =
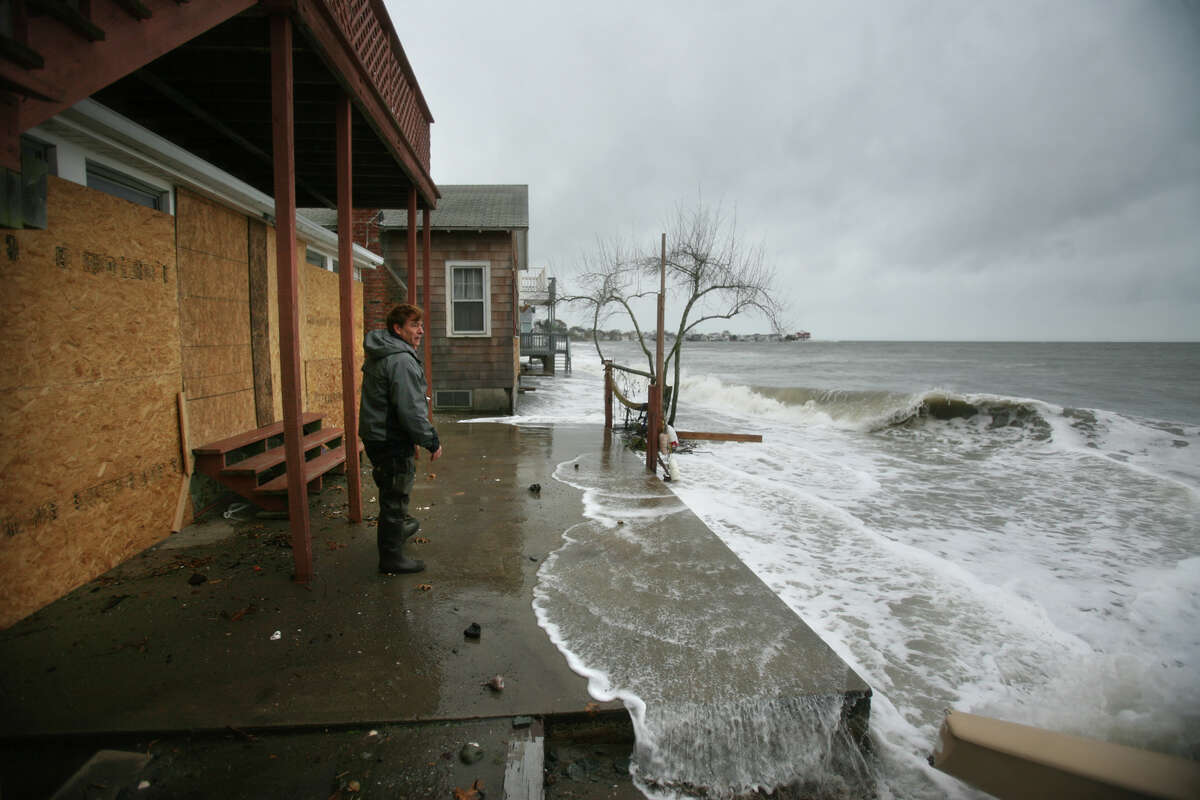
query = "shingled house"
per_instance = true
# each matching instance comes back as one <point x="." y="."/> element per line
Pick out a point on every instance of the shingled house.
<point x="478" y="244"/>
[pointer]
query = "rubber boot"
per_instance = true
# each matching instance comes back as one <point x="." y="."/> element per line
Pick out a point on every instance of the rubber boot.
<point x="391" y="550"/>
<point x="411" y="525"/>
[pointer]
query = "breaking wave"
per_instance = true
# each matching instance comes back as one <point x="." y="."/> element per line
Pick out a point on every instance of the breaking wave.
<point x="874" y="410"/>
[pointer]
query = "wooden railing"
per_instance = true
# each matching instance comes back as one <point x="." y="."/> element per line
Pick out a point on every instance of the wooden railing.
<point x="384" y="60"/>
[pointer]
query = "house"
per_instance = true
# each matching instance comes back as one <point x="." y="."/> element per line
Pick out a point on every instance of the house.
<point x="160" y="291"/>
<point x="477" y="246"/>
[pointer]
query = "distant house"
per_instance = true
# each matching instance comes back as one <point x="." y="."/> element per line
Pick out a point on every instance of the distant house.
<point x="478" y="242"/>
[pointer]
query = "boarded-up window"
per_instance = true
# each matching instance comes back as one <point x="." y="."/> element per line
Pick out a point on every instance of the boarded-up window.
<point x="467" y="301"/>
<point x="126" y="187"/>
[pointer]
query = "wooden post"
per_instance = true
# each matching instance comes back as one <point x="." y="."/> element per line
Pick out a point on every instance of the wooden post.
<point x="412" y="245"/>
<point x="426" y="238"/>
<point x="284" y="146"/>
<point x="608" y="395"/>
<point x="654" y="406"/>
<point x="345" y="207"/>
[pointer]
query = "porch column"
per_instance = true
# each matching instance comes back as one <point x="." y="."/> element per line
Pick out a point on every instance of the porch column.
<point x="283" y="144"/>
<point x="412" y="245"/>
<point x="428" y="307"/>
<point x="346" y="285"/>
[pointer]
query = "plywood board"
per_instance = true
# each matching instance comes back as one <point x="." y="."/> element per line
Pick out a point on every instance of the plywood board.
<point x="214" y="307"/>
<point x="89" y="329"/>
<point x="207" y="227"/>
<point x="220" y="416"/>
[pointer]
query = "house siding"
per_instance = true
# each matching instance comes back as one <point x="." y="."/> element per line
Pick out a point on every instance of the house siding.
<point x="463" y="362"/>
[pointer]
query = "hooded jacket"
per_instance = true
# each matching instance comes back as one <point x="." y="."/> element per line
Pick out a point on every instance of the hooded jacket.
<point x="393" y="407"/>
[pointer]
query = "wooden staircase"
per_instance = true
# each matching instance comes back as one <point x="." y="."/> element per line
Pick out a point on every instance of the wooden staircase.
<point x="253" y="464"/>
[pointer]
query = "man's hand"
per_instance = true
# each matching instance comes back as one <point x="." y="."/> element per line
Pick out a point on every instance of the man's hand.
<point x="436" y="454"/>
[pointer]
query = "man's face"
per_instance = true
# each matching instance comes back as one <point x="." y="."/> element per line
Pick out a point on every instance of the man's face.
<point x="411" y="331"/>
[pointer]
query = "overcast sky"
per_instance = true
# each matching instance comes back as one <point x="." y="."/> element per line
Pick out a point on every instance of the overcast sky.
<point x="993" y="169"/>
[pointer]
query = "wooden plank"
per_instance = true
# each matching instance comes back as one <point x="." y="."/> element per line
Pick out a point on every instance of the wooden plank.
<point x="277" y="455"/>
<point x="181" y="504"/>
<point x="250" y="437"/>
<point x="720" y="437"/>
<point x="184" y="452"/>
<point x="313" y="469"/>
<point x="523" y="771"/>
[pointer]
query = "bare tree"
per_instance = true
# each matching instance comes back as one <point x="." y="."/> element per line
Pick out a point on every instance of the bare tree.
<point x="709" y="269"/>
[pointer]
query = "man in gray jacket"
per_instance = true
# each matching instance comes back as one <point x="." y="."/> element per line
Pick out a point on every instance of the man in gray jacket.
<point x="393" y="421"/>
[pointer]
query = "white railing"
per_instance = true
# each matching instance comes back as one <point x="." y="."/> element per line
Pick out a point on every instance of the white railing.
<point x="535" y="283"/>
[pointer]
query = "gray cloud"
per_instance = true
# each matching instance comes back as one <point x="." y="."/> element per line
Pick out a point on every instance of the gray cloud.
<point x="1023" y="169"/>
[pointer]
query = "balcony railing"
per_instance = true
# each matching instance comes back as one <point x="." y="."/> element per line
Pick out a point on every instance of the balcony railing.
<point x="386" y="63"/>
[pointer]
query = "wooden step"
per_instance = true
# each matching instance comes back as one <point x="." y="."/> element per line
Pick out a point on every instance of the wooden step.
<point x="277" y="455"/>
<point x="313" y="469"/>
<point x="241" y="440"/>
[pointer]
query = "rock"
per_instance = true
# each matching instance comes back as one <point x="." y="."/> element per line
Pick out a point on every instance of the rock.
<point x="470" y="753"/>
<point x="197" y="579"/>
<point x="473" y="631"/>
<point x="536" y="488"/>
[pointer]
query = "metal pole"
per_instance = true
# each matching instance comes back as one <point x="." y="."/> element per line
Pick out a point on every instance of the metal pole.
<point x="346" y="295"/>
<point x="284" y="146"/>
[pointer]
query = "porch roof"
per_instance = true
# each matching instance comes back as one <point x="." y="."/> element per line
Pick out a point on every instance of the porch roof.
<point x="198" y="74"/>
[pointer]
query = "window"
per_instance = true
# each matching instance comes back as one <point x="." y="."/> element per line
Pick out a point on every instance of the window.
<point x="118" y="184"/>
<point x="468" y="308"/>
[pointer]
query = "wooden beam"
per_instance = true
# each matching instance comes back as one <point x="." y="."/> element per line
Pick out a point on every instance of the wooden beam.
<point x="289" y="292"/>
<point x="425" y="256"/>
<point x="135" y="8"/>
<point x="346" y="296"/>
<point x="70" y="17"/>
<point x="412" y="245"/>
<point x="226" y="132"/>
<point x="73" y="72"/>
<point x="719" y="437"/>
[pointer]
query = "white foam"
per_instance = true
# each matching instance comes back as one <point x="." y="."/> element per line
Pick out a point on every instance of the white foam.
<point x="1047" y="575"/>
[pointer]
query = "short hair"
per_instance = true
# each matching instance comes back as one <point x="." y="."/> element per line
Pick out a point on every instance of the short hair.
<point x="401" y="314"/>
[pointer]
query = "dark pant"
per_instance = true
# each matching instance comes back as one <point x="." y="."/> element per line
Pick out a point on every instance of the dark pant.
<point x="394" y="475"/>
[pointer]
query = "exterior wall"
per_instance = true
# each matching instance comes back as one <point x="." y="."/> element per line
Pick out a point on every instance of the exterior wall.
<point x="90" y="464"/>
<point x="485" y="365"/>
<point x="214" y="298"/>
<point x="107" y="315"/>
<point x="321" y="343"/>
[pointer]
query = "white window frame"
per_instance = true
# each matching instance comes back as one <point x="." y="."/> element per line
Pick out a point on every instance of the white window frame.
<point x="486" y="266"/>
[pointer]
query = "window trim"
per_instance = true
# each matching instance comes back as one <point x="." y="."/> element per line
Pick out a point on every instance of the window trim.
<point x="159" y="198"/>
<point x="486" y="266"/>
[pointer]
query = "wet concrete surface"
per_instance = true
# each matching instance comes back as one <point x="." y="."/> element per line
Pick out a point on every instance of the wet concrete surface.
<point x="205" y="654"/>
<point x="182" y="638"/>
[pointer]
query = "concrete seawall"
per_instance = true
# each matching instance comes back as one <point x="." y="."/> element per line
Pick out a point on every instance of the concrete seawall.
<point x="182" y="638"/>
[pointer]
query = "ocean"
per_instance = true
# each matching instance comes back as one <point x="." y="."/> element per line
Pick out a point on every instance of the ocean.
<point x="1006" y="529"/>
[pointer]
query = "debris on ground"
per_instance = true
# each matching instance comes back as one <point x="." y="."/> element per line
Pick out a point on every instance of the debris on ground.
<point x="470" y="753"/>
<point x="474" y="793"/>
<point x="473" y="631"/>
<point x="197" y="578"/>
<point x="495" y="683"/>
<point x="113" y="601"/>
<point x="536" y="488"/>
